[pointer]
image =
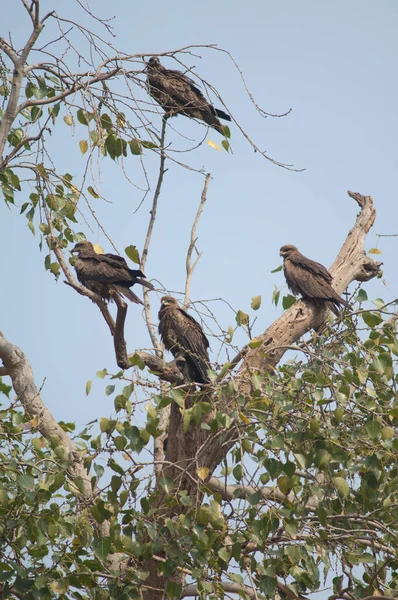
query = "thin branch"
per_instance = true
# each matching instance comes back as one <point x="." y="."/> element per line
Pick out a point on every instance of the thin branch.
<point x="165" y="371"/>
<point x="189" y="266"/>
<point x="144" y="256"/>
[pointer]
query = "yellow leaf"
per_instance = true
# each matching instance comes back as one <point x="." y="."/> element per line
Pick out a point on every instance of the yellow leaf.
<point x="83" y="146"/>
<point x="202" y="472"/>
<point x="98" y="249"/>
<point x="244" y="418"/>
<point x="213" y="145"/>
<point x="374" y="251"/>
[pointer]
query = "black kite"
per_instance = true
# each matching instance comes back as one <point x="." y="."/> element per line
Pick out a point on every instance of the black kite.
<point x="177" y="94"/>
<point x="184" y="337"/>
<point x="310" y="279"/>
<point x="102" y="273"/>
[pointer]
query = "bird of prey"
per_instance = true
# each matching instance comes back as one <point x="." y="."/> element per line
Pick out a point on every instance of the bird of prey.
<point x="177" y="94"/>
<point x="103" y="273"/>
<point x="184" y="337"/>
<point x="310" y="279"/>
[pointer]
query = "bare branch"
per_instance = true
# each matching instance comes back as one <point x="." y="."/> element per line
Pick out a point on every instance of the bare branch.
<point x="144" y="256"/>
<point x="189" y="266"/>
<point x="9" y="50"/>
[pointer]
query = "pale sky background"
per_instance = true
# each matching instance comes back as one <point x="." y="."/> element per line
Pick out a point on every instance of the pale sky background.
<point x="335" y="64"/>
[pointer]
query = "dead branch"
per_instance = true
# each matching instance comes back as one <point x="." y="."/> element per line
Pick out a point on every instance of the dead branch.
<point x="148" y="316"/>
<point x="189" y="266"/>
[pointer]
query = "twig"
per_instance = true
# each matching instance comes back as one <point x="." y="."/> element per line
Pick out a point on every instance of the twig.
<point x="189" y="266"/>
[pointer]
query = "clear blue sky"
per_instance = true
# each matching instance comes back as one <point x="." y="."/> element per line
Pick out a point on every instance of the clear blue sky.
<point x="334" y="64"/>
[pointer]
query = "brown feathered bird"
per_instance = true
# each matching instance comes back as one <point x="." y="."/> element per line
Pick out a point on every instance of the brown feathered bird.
<point x="310" y="279"/>
<point x="177" y="94"/>
<point x="184" y="337"/>
<point x="102" y="273"/>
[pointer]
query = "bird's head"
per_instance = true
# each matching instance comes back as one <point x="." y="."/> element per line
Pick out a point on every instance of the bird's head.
<point x="84" y="248"/>
<point x="168" y="301"/>
<point x="153" y="64"/>
<point x="287" y="250"/>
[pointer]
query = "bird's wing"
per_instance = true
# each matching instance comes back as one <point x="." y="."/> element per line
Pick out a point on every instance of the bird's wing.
<point x="179" y="88"/>
<point x="307" y="281"/>
<point x="180" y="331"/>
<point x="103" y="268"/>
<point x="310" y="265"/>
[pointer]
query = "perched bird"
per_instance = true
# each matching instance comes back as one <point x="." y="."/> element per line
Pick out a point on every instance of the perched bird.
<point x="177" y="94"/>
<point x="103" y="273"/>
<point x="310" y="279"/>
<point x="184" y="337"/>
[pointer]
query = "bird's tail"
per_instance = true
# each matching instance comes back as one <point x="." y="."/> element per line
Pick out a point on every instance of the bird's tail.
<point x="128" y="294"/>
<point x="336" y="304"/>
<point x="140" y="278"/>
<point x="145" y="283"/>
<point x="222" y="115"/>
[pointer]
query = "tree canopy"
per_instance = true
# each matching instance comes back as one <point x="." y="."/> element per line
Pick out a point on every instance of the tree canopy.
<point x="274" y="479"/>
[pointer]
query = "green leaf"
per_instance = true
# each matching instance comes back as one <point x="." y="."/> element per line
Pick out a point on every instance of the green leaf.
<point x="173" y="590"/>
<point x="341" y="486"/>
<point x="81" y="117"/>
<point x="224" y="554"/>
<point x="133" y="254"/>
<point x="277" y="269"/>
<point x="26" y="482"/>
<point x="101" y="547"/>
<point x="178" y="397"/>
<point x="226" y="131"/>
<point x="372" y="319"/>
<point x="288" y="301"/>
<point x="256" y="302"/>
<point x="275" y="296"/>
<point x="225" y="145"/>
<point x="68" y="120"/>
<point x="88" y="386"/>
<point x="135" y="147"/>
<point x="242" y="318"/>
<point x="109" y="389"/>
<point x="255" y="498"/>
<point x="361" y="296"/>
